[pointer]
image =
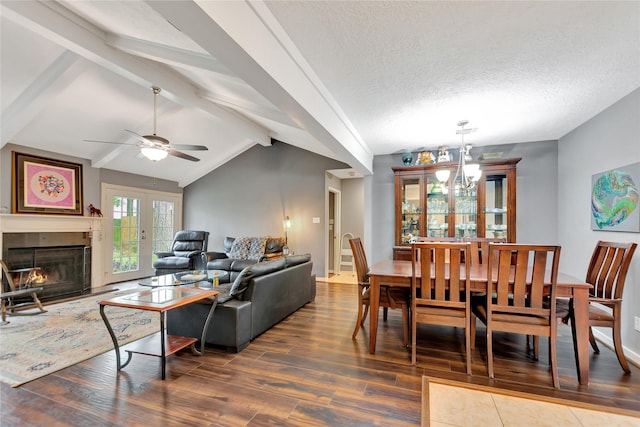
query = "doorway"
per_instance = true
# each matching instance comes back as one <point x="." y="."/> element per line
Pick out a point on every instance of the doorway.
<point x="334" y="231"/>
<point x="137" y="223"/>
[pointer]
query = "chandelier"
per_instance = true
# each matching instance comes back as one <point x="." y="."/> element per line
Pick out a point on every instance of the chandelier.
<point x="468" y="174"/>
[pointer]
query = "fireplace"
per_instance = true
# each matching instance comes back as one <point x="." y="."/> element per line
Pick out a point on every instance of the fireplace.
<point x="68" y="249"/>
<point x="61" y="262"/>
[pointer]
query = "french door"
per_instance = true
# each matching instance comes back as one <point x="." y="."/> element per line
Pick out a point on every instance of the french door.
<point x="137" y="223"/>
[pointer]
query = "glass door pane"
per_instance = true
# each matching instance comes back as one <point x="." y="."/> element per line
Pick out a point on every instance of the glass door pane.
<point x="411" y="208"/>
<point x="437" y="208"/>
<point x="126" y="234"/>
<point x="496" y="206"/>
<point x="163" y="226"/>
<point x="466" y="210"/>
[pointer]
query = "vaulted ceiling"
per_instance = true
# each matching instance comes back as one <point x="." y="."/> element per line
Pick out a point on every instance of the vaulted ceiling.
<point x="344" y="79"/>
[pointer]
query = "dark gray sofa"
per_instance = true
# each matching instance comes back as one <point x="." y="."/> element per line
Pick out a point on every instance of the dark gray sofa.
<point x="261" y="295"/>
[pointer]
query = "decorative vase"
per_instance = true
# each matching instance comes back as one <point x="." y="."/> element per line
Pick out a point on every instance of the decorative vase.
<point x="407" y="158"/>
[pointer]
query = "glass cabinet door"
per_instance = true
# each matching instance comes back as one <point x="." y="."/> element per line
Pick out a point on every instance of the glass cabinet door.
<point x="437" y="208"/>
<point x="411" y="209"/>
<point x="495" y="208"/>
<point x="466" y="212"/>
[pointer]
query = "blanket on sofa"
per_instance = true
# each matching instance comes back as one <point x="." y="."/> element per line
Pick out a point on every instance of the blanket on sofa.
<point x="248" y="248"/>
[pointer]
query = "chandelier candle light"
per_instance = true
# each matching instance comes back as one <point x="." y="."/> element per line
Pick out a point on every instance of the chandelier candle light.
<point x="469" y="173"/>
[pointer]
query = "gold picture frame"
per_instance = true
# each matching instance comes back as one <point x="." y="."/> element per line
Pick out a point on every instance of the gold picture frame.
<point x="45" y="186"/>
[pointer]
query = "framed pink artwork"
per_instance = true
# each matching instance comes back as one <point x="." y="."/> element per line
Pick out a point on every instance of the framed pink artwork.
<point x="45" y="186"/>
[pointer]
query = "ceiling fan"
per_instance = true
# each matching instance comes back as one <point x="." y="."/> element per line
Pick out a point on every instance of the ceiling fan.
<point x="155" y="147"/>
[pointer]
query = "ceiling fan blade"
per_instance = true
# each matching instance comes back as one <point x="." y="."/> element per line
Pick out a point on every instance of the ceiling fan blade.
<point x="189" y="147"/>
<point x="182" y="155"/>
<point x="139" y="137"/>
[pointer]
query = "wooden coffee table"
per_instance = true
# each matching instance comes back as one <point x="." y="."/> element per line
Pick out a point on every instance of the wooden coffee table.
<point x="160" y="300"/>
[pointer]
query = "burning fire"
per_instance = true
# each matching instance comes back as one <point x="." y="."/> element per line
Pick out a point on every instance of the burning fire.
<point x="37" y="276"/>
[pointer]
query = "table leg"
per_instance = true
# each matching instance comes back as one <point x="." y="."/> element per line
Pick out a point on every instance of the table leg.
<point x="580" y="332"/>
<point x="374" y="305"/>
<point x="116" y="346"/>
<point x="205" y="328"/>
<point x="163" y="354"/>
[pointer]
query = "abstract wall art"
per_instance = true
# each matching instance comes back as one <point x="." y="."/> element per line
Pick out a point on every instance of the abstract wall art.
<point x="615" y="196"/>
<point x="45" y="186"/>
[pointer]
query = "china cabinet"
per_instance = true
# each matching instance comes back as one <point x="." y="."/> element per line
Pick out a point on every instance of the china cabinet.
<point x="427" y="208"/>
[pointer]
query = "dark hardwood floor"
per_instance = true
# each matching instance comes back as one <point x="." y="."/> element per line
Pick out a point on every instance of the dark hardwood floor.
<point x="305" y="371"/>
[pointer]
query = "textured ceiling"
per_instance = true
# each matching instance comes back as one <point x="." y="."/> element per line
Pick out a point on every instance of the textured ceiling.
<point x="344" y="79"/>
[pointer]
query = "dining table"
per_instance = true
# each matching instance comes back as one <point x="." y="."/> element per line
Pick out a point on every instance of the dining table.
<point x="398" y="273"/>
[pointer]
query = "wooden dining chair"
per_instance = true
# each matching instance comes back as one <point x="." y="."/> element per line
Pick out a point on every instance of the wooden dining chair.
<point x="606" y="273"/>
<point x="521" y="296"/>
<point x="394" y="298"/>
<point x="443" y="295"/>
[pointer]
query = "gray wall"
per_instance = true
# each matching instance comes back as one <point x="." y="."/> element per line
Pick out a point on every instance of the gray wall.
<point x="607" y="141"/>
<point x="92" y="177"/>
<point x="536" y="195"/>
<point x="251" y="194"/>
<point x="353" y="206"/>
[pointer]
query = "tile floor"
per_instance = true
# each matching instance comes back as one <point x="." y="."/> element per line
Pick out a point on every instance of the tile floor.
<point x="451" y="404"/>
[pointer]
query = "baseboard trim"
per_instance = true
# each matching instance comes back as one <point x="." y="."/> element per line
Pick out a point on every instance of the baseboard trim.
<point x="630" y="355"/>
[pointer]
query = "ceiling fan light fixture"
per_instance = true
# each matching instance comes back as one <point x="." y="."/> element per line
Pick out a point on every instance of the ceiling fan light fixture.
<point x="153" y="153"/>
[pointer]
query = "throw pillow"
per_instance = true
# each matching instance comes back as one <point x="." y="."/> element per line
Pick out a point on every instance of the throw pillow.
<point x="248" y="247"/>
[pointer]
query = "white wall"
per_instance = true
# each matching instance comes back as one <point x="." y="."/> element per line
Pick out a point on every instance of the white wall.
<point x="609" y="140"/>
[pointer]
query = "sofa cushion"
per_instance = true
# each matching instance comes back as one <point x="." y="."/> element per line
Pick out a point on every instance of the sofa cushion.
<point x="241" y="264"/>
<point x="297" y="259"/>
<point x="248" y="247"/>
<point x="220" y="264"/>
<point x="242" y="280"/>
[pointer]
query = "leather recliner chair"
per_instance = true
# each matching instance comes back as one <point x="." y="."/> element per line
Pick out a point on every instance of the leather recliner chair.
<point x="187" y="253"/>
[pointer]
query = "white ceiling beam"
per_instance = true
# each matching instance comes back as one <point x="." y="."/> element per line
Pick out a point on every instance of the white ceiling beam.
<point x="249" y="41"/>
<point x="22" y="110"/>
<point x="61" y="26"/>
<point x="185" y="58"/>
<point x="169" y="55"/>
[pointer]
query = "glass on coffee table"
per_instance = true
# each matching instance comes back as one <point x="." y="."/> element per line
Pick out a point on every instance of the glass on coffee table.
<point x="178" y="279"/>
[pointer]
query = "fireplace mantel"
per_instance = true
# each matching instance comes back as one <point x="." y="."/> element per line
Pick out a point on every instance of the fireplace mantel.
<point x="12" y="223"/>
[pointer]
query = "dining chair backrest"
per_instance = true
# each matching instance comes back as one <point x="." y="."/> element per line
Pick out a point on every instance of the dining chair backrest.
<point x="524" y="278"/>
<point x="360" y="260"/>
<point x="608" y="268"/>
<point x="479" y="251"/>
<point x="439" y="264"/>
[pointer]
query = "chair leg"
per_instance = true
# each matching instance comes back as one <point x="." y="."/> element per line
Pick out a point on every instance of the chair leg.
<point x="592" y="340"/>
<point x="489" y="351"/>
<point x="467" y="347"/>
<point x="617" y="345"/>
<point x="37" y="302"/>
<point x="553" y="360"/>
<point x="385" y="313"/>
<point x="4" y="311"/>
<point x="536" y="347"/>
<point x="472" y="331"/>
<point x="405" y="325"/>
<point x="413" y="341"/>
<point x="359" y="321"/>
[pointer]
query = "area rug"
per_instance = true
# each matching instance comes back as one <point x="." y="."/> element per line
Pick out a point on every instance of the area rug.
<point x="68" y="333"/>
